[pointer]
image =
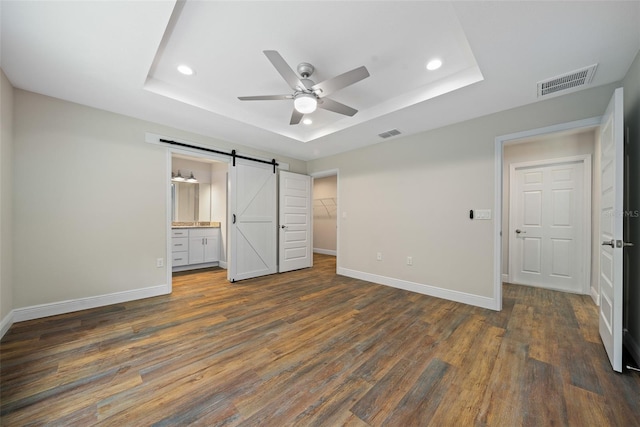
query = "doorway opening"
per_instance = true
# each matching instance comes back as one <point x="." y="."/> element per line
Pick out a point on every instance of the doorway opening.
<point x="567" y="140"/>
<point x="325" y="213"/>
<point x="198" y="212"/>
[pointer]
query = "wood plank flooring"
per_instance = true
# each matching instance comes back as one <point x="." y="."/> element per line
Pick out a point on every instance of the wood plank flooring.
<point x="312" y="348"/>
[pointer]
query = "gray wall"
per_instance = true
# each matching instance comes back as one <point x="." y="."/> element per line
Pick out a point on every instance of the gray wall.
<point x="631" y="85"/>
<point x="90" y="207"/>
<point x="6" y="196"/>
<point x="411" y="197"/>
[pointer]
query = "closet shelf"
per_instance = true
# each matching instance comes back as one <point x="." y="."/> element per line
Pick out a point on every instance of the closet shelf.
<point x="327" y="205"/>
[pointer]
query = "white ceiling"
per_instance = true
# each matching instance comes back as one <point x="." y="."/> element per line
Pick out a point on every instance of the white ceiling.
<point x="121" y="56"/>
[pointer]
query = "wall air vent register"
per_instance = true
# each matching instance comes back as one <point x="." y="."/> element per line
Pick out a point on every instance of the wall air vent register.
<point x="389" y="133"/>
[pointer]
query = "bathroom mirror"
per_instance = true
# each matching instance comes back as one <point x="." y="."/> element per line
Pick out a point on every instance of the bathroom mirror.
<point x="185" y="197"/>
<point x="190" y="202"/>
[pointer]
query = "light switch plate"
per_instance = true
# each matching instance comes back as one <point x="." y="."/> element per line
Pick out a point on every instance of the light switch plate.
<point x="482" y="214"/>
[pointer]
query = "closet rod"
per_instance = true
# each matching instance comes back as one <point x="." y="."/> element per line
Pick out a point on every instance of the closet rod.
<point x="232" y="154"/>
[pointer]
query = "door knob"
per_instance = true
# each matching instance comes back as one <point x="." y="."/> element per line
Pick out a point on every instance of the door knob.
<point x="283" y="226"/>
<point x="609" y="243"/>
<point x="518" y="231"/>
<point x="622" y="244"/>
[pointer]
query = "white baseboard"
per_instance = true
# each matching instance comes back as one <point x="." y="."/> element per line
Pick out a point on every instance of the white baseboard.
<point x="6" y="323"/>
<point x="434" y="291"/>
<point x="62" y="307"/>
<point x="223" y="264"/>
<point x="505" y="278"/>
<point x="632" y="345"/>
<point x="324" y="251"/>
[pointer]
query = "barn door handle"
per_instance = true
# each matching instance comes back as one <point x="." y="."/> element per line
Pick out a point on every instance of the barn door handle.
<point x="234" y="218"/>
<point x="609" y="243"/>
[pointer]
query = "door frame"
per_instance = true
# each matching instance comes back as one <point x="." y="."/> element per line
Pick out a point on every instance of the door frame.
<point x="196" y="155"/>
<point x="324" y="174"/>
<point x="499" y="143"/>
<point x="586" y="250"/>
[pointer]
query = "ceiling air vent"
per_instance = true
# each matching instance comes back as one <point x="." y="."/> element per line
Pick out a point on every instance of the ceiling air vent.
<point x="574" y="79"/>
<point x="389" y="133"/>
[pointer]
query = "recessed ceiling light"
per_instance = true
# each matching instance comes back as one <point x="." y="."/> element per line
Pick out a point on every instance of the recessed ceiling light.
<point x="434" y="64"/>
<point x="307" y="121"/>
<point x="185" y="69"/>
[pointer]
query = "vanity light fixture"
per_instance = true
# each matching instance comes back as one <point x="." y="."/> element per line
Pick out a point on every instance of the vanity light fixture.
<point x="192" y="178"/>
<point x="177" y="177"/>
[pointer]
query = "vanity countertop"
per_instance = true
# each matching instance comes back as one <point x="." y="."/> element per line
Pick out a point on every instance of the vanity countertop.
<point x="198" y="224"/>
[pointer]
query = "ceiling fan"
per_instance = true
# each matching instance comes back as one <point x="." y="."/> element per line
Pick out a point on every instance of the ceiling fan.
<point x="308" y="95"/>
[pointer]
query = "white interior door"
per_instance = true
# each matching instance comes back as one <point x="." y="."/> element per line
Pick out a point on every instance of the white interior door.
<point x="611" y="229"/>
<point x="295" y="222"/>
<point x="547" y="226"/>
<point x="252" y="216"/>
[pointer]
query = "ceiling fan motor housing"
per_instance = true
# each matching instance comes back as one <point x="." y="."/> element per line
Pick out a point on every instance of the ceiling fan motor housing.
<point x="305" y="69"/>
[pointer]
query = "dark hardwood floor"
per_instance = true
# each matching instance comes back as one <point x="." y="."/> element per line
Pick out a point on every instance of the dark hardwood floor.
<point x="312" y="348"/>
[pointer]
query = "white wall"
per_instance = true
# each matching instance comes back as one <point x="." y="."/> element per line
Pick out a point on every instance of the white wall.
<point x="90" y="209"/>
<point x="6" y="203"/>
<point x="325" y="191"/>
<point x="411" y="197"/>
<point x="553" y="147"/>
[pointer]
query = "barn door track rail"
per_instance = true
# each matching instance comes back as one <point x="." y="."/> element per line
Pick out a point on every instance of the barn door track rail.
<point x="232" y="154"/>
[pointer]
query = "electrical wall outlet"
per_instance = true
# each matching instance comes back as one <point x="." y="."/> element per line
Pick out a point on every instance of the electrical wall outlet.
<point x="409" y="260"/>
<point x="160" y="262"/>
<point x="379" y="256"/>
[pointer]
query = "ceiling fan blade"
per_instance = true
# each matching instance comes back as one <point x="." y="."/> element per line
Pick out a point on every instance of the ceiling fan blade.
<point x="336" y="107"/>
<point x="296" y="116"/>
<point x="264" y="97"/>
<point x="329" y="86"/>
<point x="283" y="68"/>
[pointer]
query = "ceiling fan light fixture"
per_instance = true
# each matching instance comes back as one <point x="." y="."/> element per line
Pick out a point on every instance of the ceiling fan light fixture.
<point x="305" y="103"/>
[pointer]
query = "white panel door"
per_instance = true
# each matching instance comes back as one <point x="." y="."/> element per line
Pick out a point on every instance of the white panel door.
<point x="547" y="226"/>
<point x="252" y="216"/>
<point x="611" y="228"/>
<point x="295" y="222"/>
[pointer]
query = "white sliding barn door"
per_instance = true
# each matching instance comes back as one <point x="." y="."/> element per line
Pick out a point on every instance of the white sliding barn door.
<point x="252" y="220"/>
<point x="611" y="229"/>
<point x="295" y="222"/>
